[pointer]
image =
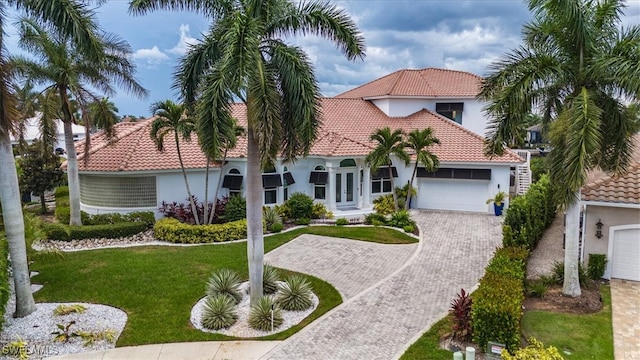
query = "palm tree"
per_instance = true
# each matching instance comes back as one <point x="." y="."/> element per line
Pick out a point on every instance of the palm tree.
<point x="63" y="66"/>
<point x="419" y="141"/>
<point x="27" y="105"/>
<point x="578" y="66"/>
<point x="388" y="144"/>
<point x="243" y="56"/>
<point x="102" y="114"/>
<point x="75" y="20"/>
<point x="173" y="118"/>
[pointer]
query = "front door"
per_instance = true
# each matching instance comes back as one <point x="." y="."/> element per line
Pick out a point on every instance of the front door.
<point x="345" y="188"/>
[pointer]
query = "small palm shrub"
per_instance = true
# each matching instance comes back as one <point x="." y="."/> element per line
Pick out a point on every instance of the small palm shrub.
<point x="225" y="282"/>
<point x="260" y="315"/>
<point x="218" y="312"/>
<point x="384" y="205"/>
<point x="319" y="211"/>
<point x="461" y="314"/>
<point x="270" y="278"/>
<point x="64" y="309"/>
<point x="295" y="294"/>
<point x="558" y="274"/>
<point x="271" y="217"/>
<point x="536" y="288"/>
<point x="276" y="228"/>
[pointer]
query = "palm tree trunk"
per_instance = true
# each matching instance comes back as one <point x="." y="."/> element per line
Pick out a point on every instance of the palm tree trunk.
<point x="43" y="203"/>
<point x="413" y="176"/>
<point x="255" y="240"/>
<point x="571" y="285"/>
<point x="72" y="175"/>
<point x="393" y="188"/>
<point x="205" y="216"/>
<point x="14" y="228"/>
<point x="186" y="182"/>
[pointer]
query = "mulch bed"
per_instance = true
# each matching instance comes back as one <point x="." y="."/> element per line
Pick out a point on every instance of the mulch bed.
<point x="588" y="303"/>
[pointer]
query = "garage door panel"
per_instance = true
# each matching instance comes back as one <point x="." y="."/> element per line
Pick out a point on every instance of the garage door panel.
<point x="462" y="195"/>
<point x="625" y="262"/>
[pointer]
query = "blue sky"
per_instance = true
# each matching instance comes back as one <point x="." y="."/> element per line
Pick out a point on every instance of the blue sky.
<point x="455" y="34"/>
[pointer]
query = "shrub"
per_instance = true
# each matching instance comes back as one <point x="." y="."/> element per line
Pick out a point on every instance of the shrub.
<point x="236" y="209"/>
<point x="536" y="288"/>
<point x="558" y="273"/>
<point x="375" y="219"/>
<point x="260" y="315"/>
<point x="63" y="215"/>
<point x="295" y="294"/>
<point x="401" y="219"/>
<point x="303" y="221"/>
<point x="104" y="219"/>
<point x="535" y="351"/>
<point x="300" y="206"/>
<point x="283" y="210"/>
<point x="271" y="217"/>
<point x="409" y="228"/>
<point x="64" y="309"/>
<point x="61" y="192"/>
<point x="384" y="204"/>
<point x="146" y="217"/>
<point x="319" y="211"/>
<point x="172" y="230"/>
<point x="218" y="312"/>
<point x="276" y="228"/>
<point x="55" y="231"/>
<point x="225" y="282"/>
<point x="461" y="315"/>
<point x="342" y="221"/>
<point x="270" y="278"/>
<point x="106" y="231"/>
<point x="597" y="265"/>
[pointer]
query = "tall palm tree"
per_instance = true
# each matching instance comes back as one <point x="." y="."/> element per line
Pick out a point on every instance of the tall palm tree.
<point x="388" y="144"/>
<point x="172" y="118"/>
<point x="102" y="114"/>
<point x="243" y="56"/>
<point x="578" y="66"/>
<point x="27" y="105"/>
<point x="74" y="73"/>
<point x="419" y="142"/>
<point x="75" y="20"/>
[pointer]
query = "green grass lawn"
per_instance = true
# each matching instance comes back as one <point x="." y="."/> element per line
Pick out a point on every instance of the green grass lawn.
<point x="375" y="234"/>
<point x="158" y="285"/>
<point x="428" y="346"/>
<point x="576" y="336"/>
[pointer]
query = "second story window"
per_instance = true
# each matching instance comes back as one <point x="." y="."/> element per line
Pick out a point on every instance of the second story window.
<point x="452" y="111"/>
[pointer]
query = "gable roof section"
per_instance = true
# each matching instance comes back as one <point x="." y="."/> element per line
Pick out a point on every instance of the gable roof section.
<point x="624" y="189"/>
<point x="429" y="82"/>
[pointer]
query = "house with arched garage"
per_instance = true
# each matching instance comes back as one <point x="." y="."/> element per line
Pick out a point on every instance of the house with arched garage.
<point x="126" y="174"/>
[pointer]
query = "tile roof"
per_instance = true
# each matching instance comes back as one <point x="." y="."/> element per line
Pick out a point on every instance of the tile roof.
<point x="623" y="189"/>
<point x="429" y="82"/>
<point x="347" y="125"/>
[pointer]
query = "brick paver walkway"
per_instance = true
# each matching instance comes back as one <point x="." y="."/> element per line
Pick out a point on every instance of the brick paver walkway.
<point x="381" y="322"/>
<point x="351" y="266"/>
<point x="625" y="295"/>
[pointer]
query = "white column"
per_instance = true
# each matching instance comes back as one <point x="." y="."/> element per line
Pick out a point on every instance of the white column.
<point x="366" y="187"/>
<point x="359" y="184"/>
<point x="331" y="191"/>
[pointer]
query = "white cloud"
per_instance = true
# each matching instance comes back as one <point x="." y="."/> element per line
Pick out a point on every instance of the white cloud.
<point x="184" y="42"/>
<point x="151" y="57"/>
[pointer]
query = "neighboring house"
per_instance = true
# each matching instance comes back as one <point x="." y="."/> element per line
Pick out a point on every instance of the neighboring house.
<point x="534" y="134"/>
<point x="131" y="174"/>
<point x="611" y="223"/>
<point x="32" y="132"/>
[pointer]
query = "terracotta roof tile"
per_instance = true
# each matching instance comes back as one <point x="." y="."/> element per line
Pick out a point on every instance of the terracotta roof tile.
<point x="623" y="189"/>
<point x="429" y="82"/>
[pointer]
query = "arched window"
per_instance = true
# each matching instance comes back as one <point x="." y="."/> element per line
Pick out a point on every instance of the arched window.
<point x="233" y="182"/>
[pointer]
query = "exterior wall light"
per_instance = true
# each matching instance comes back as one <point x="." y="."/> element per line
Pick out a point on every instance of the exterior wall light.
<point x="599" y="229"/>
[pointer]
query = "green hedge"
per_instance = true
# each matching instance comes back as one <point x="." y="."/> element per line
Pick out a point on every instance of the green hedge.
<point x="61" y="192"/>
<point x="5" y="291"/>
<point x="497" y="304"/>
<point x="174" y="231"/>
<point x="529" y="215"/>
<point x="110" y="231"/>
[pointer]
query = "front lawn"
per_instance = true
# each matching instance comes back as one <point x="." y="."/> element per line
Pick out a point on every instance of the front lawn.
<point x="428" y="346"/>
<point x="576" y="336"/>
<point x="158" y="285"/>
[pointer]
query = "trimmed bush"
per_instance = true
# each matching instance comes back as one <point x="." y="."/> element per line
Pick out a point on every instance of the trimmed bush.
<point x="400" y="219"/>
<point x="225" y="282"/>
<point x="63" y="215"/>
<point x="276" y="228"/>
<point x="260" y="315"/>
<point x="409" y="228"/>
<point x="61" y="192"/>
<point x="303" y="221"/>
<point x="270" y="278"/>
<point x="295" y="294"/>
<point x="218" y="312"/>
<point x="55" y="231"/>
<point x="174" y="231"/>
<point x="597" y="265"/>
<point x="535" y="351"/>
<point x="375" y="219"/>
<point x="300" y="206"/>
<point x="236" y="209"/>
<point x="111" y="231"/>
<point x="342" y="222"/>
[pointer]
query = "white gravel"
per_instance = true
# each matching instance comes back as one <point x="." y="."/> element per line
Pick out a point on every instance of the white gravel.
<point x="241" y="328"/>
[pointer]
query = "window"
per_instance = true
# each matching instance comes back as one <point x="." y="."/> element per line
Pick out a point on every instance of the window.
<point x="452" y="111"/>
<point x="287" y="179"/>
<point x="118" y="191"/>
<point x="270" y="196"/>
<point x="454" y="173"/>
<point x="380" y="180"/>
<point x="319" y="178"/>
<point x="233" y="182"/>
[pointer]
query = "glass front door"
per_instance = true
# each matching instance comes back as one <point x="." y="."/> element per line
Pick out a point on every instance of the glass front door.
<point x="345" y="188"/>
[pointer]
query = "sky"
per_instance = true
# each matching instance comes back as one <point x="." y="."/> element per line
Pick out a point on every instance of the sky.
<point x="465" y="35"/>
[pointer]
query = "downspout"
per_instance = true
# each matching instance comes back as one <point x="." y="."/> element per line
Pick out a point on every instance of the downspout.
<point x="584" y="233"/>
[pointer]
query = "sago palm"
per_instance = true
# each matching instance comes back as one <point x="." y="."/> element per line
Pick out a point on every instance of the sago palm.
<point x="388" y="144"/>
<point x="73" y="19"/>
<point x="579" y="67"/>
<point x="172" y="118"/>
<point x="244" y="56"/>
<point x="72" y="72"/>
<point x="419" y="142"/>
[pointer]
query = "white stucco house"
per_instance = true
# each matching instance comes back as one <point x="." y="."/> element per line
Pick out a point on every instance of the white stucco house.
<point x="131" y="174"/>
<point x="611" y="220"/>
<point x="32" y="132"/>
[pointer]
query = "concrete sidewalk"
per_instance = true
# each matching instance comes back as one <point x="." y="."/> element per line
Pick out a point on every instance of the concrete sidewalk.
<point x="206" y="350"/>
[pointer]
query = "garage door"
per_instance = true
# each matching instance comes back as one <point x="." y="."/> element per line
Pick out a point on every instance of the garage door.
<point x="461" y="195"/>
<point x="625" y="257"/>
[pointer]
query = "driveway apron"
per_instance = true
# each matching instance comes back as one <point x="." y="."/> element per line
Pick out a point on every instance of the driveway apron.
<point x="625" y="308"/>
<point x="382" y="321"/>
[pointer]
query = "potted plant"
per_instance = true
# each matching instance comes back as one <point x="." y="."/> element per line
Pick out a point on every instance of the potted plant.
<point x="498" y="202"/>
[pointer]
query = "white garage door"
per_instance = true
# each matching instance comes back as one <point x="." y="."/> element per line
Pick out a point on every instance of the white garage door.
<point x="625" y="262"/>
<point x="461" y="195"/>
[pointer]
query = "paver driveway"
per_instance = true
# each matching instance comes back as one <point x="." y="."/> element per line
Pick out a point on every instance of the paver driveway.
<point x="382" y="321"/>
<point x="625" y="295"/>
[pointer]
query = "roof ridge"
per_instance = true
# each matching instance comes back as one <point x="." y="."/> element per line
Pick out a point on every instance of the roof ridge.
<point x="426" y="81"/>
<point x="367" y="83"/>
<point x="138" y="125"/>
<point x="453" y="70"/>
<point x="343" y="137"/>
<point x="129" y="155"/>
